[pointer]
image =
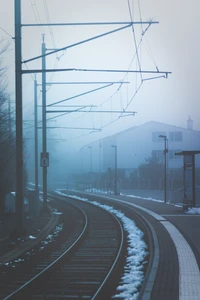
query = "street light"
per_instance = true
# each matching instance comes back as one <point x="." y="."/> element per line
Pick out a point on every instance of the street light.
<point x="90" y="147"/>
<point x="165" y="167"/>
<point x="115" y="184"/>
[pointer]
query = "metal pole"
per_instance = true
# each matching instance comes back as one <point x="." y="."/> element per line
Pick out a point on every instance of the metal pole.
<point x="44" y="121"/>
<point x="193" y="182"/>
<point x="19" y="133"/>
<point x="36" y="146"/>
<point x="115" y="180"/>
<point x="165" y="167"/>
<point x="90" y="147"/>
<point x="115" y="170"/>
<point x="100" y="180"/>
<point x="9" y="119"/>
<point x="165" y="172"/>
<point x="91" y="158"/>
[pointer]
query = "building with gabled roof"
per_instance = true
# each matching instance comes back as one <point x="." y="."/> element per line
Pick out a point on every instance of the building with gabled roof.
<point x="137" y="143"/>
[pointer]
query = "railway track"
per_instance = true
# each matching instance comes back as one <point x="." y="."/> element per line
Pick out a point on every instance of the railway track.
<point x="81" y="263"/>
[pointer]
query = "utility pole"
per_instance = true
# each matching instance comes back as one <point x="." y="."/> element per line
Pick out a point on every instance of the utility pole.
<point x="165" y="188"/>
<point x="90" y="147"/>
<point x="19" y="133"/>
<point x="116" y="179"/>
<point x="36" y="145"/>
<point x="9" y="119"/>
<point x="165" y="166"/>
<point x="19" y="142"/>
<point x="44" y="155"/>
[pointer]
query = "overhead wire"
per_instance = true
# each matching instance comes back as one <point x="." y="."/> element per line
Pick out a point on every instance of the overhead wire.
<point x="34" y="7"/>
<point x="6" y="32"/>
<point x="139" y="65"/>
<point x="145" y="38"/>
<point x="53" y="42"/>
<point x="138" y="60"/>
<point x="37" y="16"/>
<point x="52" y="38"/>
<point x="137" y="46"/>
<point x="31" y="76"/>
<point x="141" y="40"/>
<point x="38" y="20"/>
<point x="134" y="37"/>
<point x="150" y="53"/>
<point x="49" y="27"/>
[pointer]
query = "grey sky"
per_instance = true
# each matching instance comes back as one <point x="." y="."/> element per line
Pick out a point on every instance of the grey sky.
<point x="172" y="45"/>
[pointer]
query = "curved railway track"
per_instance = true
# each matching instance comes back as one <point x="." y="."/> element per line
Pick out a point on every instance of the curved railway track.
<point x="80" y="265"/>
<point x="145" y="227"/>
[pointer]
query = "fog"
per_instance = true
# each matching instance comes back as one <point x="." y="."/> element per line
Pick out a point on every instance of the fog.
<point x="170" y="46"/>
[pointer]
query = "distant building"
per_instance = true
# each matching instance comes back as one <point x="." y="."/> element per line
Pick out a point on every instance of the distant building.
<point x="136" y="144"/>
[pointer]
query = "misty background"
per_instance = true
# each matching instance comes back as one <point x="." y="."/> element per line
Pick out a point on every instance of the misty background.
<point x="170" y="46"/>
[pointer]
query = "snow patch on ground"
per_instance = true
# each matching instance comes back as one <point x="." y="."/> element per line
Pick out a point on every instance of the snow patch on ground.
<point x="137" y="251"/>
<point x="149" y="198"/>
<point x="193" y="211"/>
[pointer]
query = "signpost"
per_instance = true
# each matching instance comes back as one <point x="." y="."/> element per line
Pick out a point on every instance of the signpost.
<point x="44" y="159"/>
<point x="189" y="177"/>
<point x="189" y="194"/>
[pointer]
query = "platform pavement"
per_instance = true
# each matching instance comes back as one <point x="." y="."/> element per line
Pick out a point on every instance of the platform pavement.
<point x="174" y="249"/>
<point x="174" y="273"/>
<point x="188" y="224"/>
<point x="166" y="280"/>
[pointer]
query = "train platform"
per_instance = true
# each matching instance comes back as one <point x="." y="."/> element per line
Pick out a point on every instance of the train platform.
<point x="174" y="272"/>
<point x="175" y="268"/>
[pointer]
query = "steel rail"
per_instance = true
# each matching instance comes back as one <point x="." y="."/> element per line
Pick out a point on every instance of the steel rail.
<point x="114" y="263"/>
<point x="24" y="289"/>
<point x="54" y="262"/>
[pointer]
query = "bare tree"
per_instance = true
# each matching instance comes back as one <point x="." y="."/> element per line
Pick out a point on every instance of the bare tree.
<point x="7" y="137"/>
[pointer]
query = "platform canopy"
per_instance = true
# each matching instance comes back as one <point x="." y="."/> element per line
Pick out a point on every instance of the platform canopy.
<point x="189" y="177"/>
<point x="188" y="152"/>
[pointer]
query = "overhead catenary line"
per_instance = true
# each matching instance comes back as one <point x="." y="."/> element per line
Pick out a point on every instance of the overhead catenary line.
<point x="67" y="127"/>
<point x="88" y="23"/>
<point x="36" y="14"/>
<point x="79" y="43"/>
<point x="19" y="110"/>
<point x="52" y="38"/>
<point x="93" y="111"/>
<point x="7" y="32"/>
<point x="49" y="22"/>
<point x="79" y="95"/>
<point x="138" y="46"/>
<point x="134" y="37"/>
<point x="81" y="106"/>
<point x="137" y="90"/>
<point x="55" y="117"/>
<point x="96" y="70"/>
<point x="150" y="78"/>
<point x="87" y="82"/>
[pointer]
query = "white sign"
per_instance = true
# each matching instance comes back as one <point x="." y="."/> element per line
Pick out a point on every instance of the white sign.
<point x="44" y="159"/>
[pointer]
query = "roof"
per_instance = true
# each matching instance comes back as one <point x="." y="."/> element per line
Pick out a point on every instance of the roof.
<point x="188" y="152"/>
<point x="139" y="126"/>
<point x="155" y="122"/>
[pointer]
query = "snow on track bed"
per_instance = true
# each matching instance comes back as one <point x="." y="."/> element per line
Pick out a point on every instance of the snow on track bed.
<point x="81" y="272"/>
<point x="14" y="274"/>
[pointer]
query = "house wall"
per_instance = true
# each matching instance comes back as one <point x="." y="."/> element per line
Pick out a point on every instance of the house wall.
<point x="138" y="143"/>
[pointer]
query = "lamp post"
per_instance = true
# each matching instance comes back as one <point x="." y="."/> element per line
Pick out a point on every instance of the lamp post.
<point x="165" y="166"/>
<point x="115" y="182"/>
<point x="90" y="147"/>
